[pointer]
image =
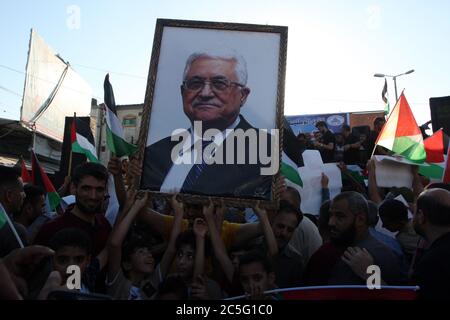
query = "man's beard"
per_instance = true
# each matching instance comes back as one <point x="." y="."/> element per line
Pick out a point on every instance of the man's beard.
<point x="346" y="238"/>
<point x="86" y="209"/>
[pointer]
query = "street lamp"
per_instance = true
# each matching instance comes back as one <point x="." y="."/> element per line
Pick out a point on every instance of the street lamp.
<point x="381" y="75"/>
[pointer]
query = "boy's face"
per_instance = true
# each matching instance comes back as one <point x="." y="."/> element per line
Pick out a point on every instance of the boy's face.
<point x="67" y="256"/>
<point x="185" y="261"/>
<point x="142" y="261"/>
<point x="255" y="279"/>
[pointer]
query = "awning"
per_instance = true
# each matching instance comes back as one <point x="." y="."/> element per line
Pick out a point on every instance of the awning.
<point x="10" y="161"/>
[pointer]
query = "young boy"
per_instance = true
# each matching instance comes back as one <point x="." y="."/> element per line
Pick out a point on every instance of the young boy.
<point x="190" y="262"/>
<point x="257" y="276"/>
<point x="73" y="247"/>
<point x="131" y="269"/>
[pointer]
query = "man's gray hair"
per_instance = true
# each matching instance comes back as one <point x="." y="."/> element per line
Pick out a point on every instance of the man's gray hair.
<point x="226" y="54"/>
<point x="356" y="202"/>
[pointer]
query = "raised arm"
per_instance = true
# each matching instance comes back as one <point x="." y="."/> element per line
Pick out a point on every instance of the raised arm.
<point x="325" y="190"/>
<point x="417" y="182"/>
<point x="200" y="229"/>
<point x="374" y="195"/>
<point x="115" y="168"/>
<point x="271" y="242"/>
<point x="169" y="254"/>
<point x="218" y="246"/>
<point x="134" y="173"/>
<point x="154" y="220"/>
<point x="119" y="232"/>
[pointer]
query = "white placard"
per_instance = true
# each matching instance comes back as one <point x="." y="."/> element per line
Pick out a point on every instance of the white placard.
<point x="311" y="193"/>
<point x="312" y="159"/>
<point x="392" y="174"/>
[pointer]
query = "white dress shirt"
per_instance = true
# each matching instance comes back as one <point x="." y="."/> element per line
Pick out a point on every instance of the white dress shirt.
<point x="178" y="172"/>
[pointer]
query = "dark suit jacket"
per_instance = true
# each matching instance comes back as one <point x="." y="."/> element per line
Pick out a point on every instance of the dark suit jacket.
<point x="226" y="180"/>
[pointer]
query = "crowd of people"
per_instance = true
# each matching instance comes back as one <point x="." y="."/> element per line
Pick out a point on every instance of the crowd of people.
<point x="352" y="147"/>
<point x="166" y="248"/>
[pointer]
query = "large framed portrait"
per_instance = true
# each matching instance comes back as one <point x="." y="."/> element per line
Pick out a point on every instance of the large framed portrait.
<point x="212" y="119"/>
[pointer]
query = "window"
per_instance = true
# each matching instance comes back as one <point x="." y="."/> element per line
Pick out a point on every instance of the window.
<point x="129" y="121"/>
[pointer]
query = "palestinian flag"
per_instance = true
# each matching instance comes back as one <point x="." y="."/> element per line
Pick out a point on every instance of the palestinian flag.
<point x="5" y="220"/>
<point x="291" y="158"/>
<point x="355" y="172"/>
<point x="24" y="172"/>
<point x="290" y="171"/>
<point x="447" y="167"/>
<point x="435" y="163"/>
<point x="40" y="178"/>
<point x="114" y="131"/>
<point x="82" y="139"/>
<point x="401" y="134"/>
<point x="3" y="217"/>
<point x="384" y="96"/>
<point x="434" y="147"/>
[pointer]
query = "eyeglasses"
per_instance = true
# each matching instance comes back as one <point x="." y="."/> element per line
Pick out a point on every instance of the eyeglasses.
<point x="218" y="85"/>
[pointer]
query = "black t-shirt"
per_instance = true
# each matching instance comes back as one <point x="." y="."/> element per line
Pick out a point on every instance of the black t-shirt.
<point x="97" y="233"/>
<point x="373" y="136"/>
<point x="328" y="155"/>
<point x="351" y="156"/>
<point x="371" y="141"/>
<point x="433" y="270"/>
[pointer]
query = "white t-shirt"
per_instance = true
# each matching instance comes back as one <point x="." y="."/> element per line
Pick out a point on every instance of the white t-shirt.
<point x="305" y="240"/>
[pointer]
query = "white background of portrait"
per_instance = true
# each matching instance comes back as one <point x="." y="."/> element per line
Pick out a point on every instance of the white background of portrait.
<point x="259" y="49"/>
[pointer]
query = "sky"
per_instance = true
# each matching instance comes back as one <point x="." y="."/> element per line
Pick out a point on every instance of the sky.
<point x="334" y="47"/>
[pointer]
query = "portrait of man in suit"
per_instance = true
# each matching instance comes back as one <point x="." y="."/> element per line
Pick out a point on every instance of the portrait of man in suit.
<point x="220" y="154"/>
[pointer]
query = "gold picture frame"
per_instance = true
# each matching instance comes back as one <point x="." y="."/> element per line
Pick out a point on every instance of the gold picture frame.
<point x="175" y="36"/>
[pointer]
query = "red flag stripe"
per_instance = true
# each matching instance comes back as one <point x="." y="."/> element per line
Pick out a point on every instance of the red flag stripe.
<point x="24" y="173"/>
<point x="350" y="294"/>
<point x="434" y="146"/>
<point x="73" y="131"/>
<point x="408" y="126"/>
<point x="38" y="170"/>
